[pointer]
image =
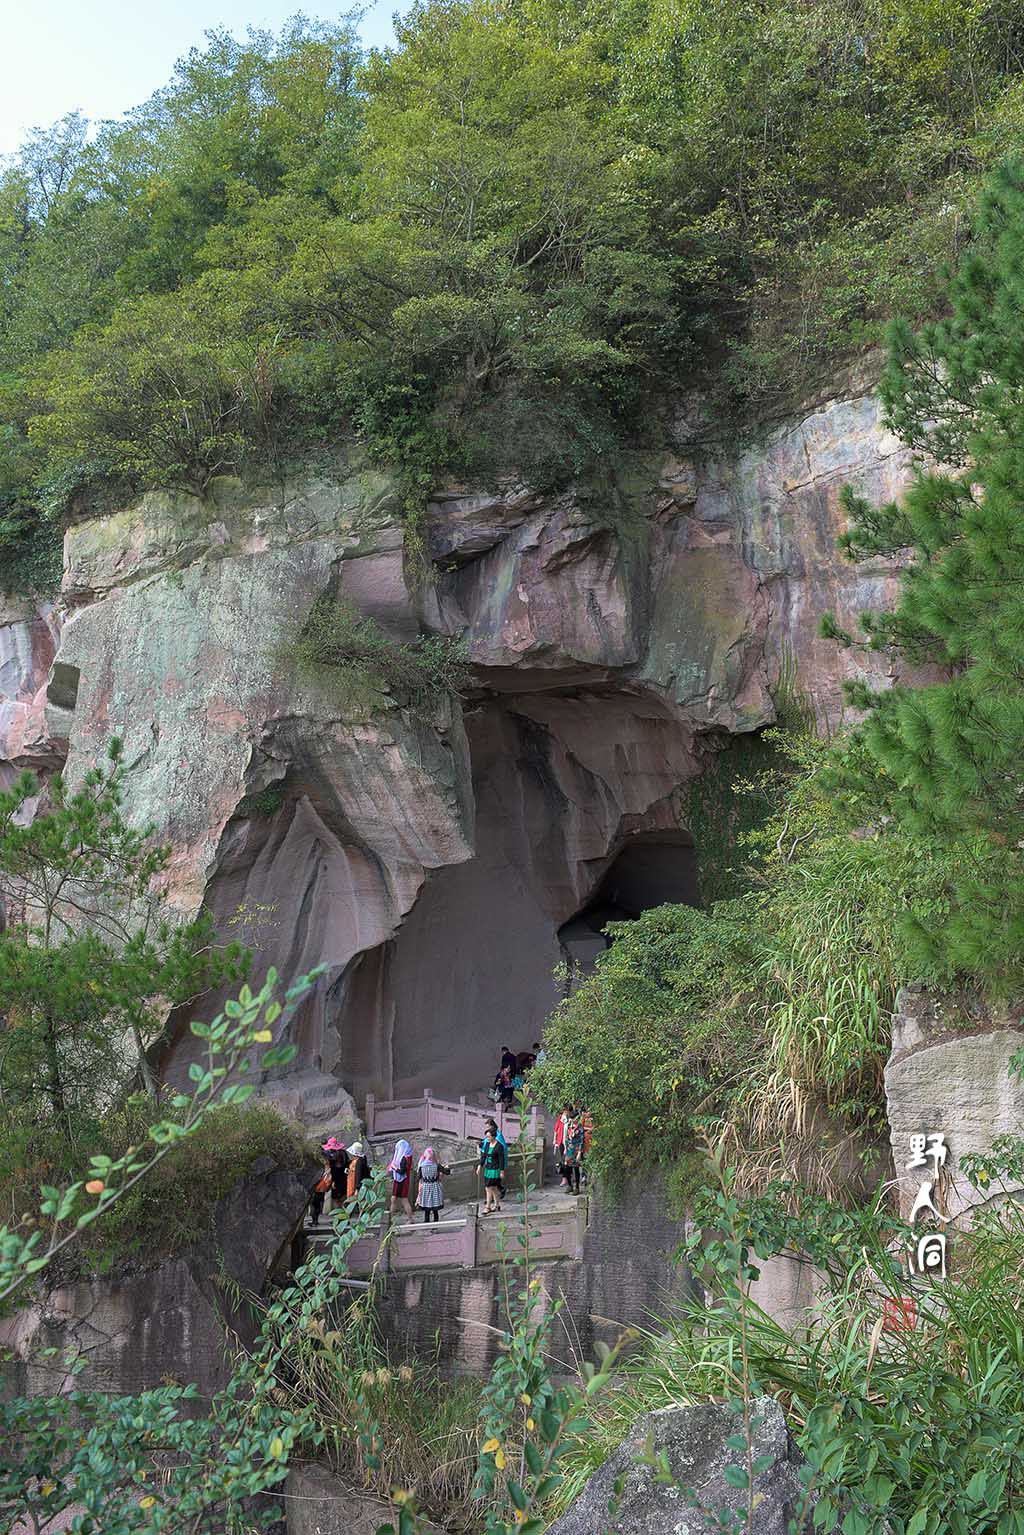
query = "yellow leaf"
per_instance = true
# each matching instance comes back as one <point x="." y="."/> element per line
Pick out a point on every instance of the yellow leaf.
<point x="530" y="1425"/>
<point x="263" y="1036"/>
<point x="491" y="1445"/>
<point x="47" y="1488"/>
<point x="147" y="1502"/>
<point x="276" y="1447"/>
<point x="526" y="1399"/>
<point x="499" y="1460"/>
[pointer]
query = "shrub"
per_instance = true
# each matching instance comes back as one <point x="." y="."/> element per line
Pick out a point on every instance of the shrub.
<point x="369" y="668"/>
<point x="767" y="1016"/>
<point x="172" y="1208"/>
<point x="919" y="1430"/>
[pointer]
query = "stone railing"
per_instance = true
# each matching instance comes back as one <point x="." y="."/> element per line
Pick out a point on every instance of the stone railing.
<point x="468" y="1242"/>
<point x="428" y="1115"/>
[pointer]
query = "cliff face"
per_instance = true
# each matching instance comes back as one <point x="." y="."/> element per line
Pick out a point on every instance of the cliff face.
<point x="440" y="865"/>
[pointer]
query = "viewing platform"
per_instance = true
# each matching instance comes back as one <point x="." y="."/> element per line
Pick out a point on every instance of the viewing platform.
<point x="465" y="1238"/>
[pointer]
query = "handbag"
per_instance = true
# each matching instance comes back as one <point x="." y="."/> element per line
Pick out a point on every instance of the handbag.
<point x="324" y="1184"/>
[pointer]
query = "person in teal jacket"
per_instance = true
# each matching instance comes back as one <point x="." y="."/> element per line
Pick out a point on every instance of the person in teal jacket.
<point x="492" y="1124"/>
<point x="493" y="1162"/>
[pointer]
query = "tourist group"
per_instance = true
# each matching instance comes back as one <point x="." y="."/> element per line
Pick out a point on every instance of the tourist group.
<point x="346" y="1169"/>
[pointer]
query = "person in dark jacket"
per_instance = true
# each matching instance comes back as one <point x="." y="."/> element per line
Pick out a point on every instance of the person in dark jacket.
<point x="321" y="1189"/>
<point x="572" y="1155"/>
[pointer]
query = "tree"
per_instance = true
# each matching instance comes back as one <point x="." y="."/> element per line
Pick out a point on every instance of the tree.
<point x="90" y="962"/>
<point x="944" y="760"/>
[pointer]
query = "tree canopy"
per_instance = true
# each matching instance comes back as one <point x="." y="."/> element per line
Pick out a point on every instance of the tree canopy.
<point x="503" y="243"/>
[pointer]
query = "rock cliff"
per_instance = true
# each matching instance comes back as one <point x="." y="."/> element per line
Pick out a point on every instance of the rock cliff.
<point x="439" y="863"/>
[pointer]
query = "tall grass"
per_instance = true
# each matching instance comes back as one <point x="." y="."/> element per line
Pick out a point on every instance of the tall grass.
<point x="936" y="1412"/>
<point x="428" y="1440"/>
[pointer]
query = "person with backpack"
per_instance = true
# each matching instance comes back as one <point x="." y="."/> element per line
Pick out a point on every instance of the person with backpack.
<point x="358" y="1172"/>
<point x="319" y="1193"/>
<point x="337" y="1159"/>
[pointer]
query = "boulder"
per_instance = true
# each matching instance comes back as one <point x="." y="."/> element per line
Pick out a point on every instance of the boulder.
<point x="694" y="1440"/>
<point x="318" y="1502"/>
<point x="948" y="1074"/>
<point x="167" y="1322"/>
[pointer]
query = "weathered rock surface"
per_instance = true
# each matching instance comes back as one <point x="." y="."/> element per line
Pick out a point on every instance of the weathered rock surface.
<point x="29" y="633"/>
<point x="316" y="1101"/>
<point x="317" y="1502"/>
<point x="166" y="1322"/>
<point x="949" y="1075"/>
<point x="693" y="1439"/>
<point x="430" y="863"/>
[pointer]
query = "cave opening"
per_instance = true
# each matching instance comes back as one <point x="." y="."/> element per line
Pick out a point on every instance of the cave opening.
<point x="576" y="826"/>
<point x="652" y="868"/>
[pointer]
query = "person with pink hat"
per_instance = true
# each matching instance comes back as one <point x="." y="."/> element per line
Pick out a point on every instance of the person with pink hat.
<point x="337" y="1159"/>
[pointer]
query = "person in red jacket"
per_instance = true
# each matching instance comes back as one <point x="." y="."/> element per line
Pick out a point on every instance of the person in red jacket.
<point x="565" y="1117"/>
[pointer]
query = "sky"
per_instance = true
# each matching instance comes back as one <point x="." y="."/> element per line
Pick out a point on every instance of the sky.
<point x="102" y="57"/>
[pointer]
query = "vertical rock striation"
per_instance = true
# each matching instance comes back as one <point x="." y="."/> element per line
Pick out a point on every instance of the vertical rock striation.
<point x="617" y="636"/>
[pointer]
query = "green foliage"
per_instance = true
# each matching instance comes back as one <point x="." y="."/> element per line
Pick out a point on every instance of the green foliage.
<point x="352" y="654"/>
<point x="737" y="792"/>
<point x="172" y="1209"/>
<point x="89" y="960"/>
<point x="425" y="1434"/>
<point x="765" y="1017"/>
<point x="264" y="803"/>
<point x="217" y="1077"/>
<point x="941" y="762"/>
<point x="99" y="1452"/>
<point x="924" y="1427"/>
<point x="496" y="246"/>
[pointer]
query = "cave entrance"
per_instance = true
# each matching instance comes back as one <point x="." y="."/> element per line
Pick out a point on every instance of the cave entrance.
<point x="653" y="868"/>
<point x="576" y="825"/>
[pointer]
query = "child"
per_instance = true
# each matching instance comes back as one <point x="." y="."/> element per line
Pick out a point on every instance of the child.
<point x="493" y="1161"/>
<point x="430" y="1194"/>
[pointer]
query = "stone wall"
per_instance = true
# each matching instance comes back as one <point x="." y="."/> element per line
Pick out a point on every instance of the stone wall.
<point x="627" y="1272"/>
